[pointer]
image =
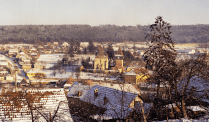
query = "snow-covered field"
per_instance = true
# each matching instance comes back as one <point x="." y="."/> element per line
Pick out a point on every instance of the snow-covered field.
<point x="70" y="72"/>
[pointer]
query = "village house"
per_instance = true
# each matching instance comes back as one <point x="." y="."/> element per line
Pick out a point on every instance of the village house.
<point x="110" y="97"/>
<point x="130" y="77"/>
<point x="9" y="77"/>
<point x="47" y="51"/>
<point x="38" y="65"/>
<point x="136" y="64"/>
<point x="4" y="72"/>
<point x="4" y="63"/>
<point x="26" y="65"/>
<point x="40" y="49"/>
<point x="2" y="77"/>
<point x="2" y="58"/>
<point x="33" y="73"/>
<point x="84" y="44"/>
<point x="56" y="44"/>
<point x="13" y="52"/>
<point x="69" y="82"/>
<point x="22" y="56"/>
<point x="65" y="44"/>
<point x="33" y="49"/>
<point x="136" y="76"/>
<point x="24" y="82"/>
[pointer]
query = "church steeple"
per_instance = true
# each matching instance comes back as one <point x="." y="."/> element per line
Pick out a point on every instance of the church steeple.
<point x="100" y="48"/>
<point x="119" y="54"/>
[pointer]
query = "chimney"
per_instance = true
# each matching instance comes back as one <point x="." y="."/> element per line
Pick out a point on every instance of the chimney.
<point x="95" y="93"/>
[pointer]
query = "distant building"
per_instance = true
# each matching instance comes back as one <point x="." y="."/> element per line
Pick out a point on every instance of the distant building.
<point x="84" y="44"/>
<point x="136" y="64"/>
<point x="130" y="77"/>
<point x="65" y="44"/>
<point x="24" y="82"/>
<point x="101" y="60"/>
<point x="2" y="77"/>
<point x="38" y="65"/>
<point x="26" y="67"/>
<point x="69" y="82"/>
<point x="13" y="52"/>
<point x="56" y="43"/>
<point x="33" y="73"/>
<point x="119" y="60"/>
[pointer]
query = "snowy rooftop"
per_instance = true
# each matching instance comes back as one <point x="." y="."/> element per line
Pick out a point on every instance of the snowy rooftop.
<point x="114" y="94"/>
<point x="50" y="57"/>
<point x="21" y="53"/>
<point x="35" y="71"/>
<point x="49" y="103"/>
<point x="132" y="72"/>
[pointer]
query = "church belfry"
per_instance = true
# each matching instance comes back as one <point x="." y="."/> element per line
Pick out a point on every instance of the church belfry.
<point x="119" y="59"/>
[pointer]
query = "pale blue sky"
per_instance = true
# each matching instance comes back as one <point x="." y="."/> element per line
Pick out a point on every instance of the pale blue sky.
<point x="97" y="12"/>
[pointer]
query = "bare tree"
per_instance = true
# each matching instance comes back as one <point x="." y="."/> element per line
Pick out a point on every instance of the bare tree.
<point x="192" y="69"/>
<point x="78" y="72"/>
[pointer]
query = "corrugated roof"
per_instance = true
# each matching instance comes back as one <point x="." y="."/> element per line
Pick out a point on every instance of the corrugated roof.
<point x="48" y="104"/>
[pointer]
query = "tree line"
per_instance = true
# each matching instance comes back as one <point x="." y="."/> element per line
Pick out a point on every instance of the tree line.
<point x="103" y="33"/>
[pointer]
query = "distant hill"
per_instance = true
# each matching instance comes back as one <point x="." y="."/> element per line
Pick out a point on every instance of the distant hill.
<point x="49" y="33"/>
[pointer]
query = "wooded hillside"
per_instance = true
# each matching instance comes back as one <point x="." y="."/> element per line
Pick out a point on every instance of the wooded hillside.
<point x="49" y="33"/>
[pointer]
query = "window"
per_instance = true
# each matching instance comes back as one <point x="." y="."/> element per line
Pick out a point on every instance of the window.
<point x="79" y="93"/>
<point x="105" y="100"/>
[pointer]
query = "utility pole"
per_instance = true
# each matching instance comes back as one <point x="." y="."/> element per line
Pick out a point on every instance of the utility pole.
<point x="16" y="78"/>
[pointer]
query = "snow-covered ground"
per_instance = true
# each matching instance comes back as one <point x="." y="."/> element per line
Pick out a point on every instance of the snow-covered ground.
<point x="70" y="72"/>
<point x="205" y="119"/>
<point x="50" y="58"/>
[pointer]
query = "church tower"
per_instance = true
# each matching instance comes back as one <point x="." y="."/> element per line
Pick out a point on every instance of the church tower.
<point x="119" y="59"/>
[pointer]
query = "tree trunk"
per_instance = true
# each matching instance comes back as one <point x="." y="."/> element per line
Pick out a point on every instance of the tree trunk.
<point x="31" y="112"/>
<point x="167" y="114"/>
<point x="172" y="113"/>
<point x="176" y="92"/>
<point x="144" y="116"/>
<point x="183" y="107"/>
<point x="158" y="87"/>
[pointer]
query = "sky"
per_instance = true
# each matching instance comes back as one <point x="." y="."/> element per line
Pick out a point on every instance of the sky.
<point x="102" y="12"/>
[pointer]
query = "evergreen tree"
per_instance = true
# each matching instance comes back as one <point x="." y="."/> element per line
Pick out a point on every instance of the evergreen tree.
<point x="91" y="47"/>
<point x="110" y="52"/>
<point x="160" y="54"/>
